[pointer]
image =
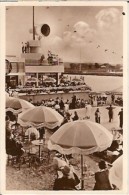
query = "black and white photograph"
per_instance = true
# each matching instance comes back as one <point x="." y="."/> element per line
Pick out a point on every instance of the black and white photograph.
<point x="64" y="97"/>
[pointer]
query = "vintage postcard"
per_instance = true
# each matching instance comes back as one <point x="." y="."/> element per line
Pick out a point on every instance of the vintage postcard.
<point x="63" y="86"/>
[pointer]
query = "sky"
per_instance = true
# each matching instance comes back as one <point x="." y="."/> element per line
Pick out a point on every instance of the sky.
<point x="77" y="34"/>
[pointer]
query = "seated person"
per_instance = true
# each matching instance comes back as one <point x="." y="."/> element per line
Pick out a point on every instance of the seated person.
<point x="13" y="147"/>
<point x="41" y="133"/>
<point x="8" y="124"/>
<point x="66" y="182"/>
<point x="33" y="133"/>
<point x="114" y="146"/>
<point x="114" y="151"/>
<point x="59" y="163"/>
<point x="76" y="117"/>
<point x="68" y="115"/>
<point x="117" y="135"/>
<point x="102" y="177"/>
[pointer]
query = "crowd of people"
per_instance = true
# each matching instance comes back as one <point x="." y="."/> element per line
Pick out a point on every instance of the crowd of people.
<point x="60" y="103"/>
<point x="67" y="178"/>
<point x="57" y="87"/>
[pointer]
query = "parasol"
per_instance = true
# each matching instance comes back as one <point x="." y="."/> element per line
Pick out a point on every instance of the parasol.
<point x="49" y="80"/>
<point x="17" y="105"/>
<point x="81" y="137"/>
<point x="116" y="173"/>
<point x="41" y="116"/>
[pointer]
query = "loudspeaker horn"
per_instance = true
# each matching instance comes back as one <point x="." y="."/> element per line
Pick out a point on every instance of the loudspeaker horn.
<point x="45" y="30"/>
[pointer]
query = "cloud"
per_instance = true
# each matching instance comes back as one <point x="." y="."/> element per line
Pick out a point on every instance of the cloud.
<point x="81" y="28"/>
<point x="82" y="33"/>
<point x="108" y="18"/>
<point x="67" y="37"/>
<point x="56" y="44"/>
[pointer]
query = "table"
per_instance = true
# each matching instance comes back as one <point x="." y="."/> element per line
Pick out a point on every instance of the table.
<point x="38" y="143"/>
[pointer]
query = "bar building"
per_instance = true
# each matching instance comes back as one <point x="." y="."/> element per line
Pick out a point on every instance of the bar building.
<point x="32" y="68"/>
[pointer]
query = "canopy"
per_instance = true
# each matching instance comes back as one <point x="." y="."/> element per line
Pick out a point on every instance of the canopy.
<point x="81" y="137"/>
<point x="17" y="105"/>
<point x="41" y="116"/>
<point x="49" y="80"/>
<point x="116" y="173"/>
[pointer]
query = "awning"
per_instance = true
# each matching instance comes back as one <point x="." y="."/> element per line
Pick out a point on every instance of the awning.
<point x="16" y="74"/>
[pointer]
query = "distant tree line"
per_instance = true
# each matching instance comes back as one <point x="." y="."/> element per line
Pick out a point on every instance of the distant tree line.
<point x="82" y="67"/>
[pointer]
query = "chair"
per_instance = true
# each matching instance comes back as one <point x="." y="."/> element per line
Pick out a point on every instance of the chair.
<point x="45" y="154"/>
<point x="13" y="160"/>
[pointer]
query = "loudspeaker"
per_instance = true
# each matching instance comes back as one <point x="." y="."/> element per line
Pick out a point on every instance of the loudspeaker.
<point x="45" y="30"/>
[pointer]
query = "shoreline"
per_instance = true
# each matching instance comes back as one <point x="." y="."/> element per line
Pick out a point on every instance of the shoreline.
<point x="95" y="74"/>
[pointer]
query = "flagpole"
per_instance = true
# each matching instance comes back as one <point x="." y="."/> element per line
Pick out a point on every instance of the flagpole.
<point x="33" y="25"/>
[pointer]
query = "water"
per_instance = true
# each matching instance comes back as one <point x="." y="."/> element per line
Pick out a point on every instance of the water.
<point x="101" y="83"/>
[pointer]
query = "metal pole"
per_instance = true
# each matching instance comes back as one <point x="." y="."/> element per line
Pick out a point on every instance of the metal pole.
<point x="80" y="57"/>
<point x="82" y="179"/>
<point x="33" y="25"/>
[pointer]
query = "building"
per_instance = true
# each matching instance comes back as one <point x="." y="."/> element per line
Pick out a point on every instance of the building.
<point x="37" y="67"/>
<point x="16" y="73"/>
<point x="32" y="68"/>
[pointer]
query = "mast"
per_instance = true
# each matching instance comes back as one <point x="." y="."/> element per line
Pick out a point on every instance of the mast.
<point x="33" y="25"/>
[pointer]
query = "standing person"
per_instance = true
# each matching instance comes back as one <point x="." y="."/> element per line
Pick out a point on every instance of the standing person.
<point x="121" y="118"/>
<point x="102" y="177"/>
<point x="41" y="59"/>
<point x="113" y="98"/>
<point x="110" y="112"/>
<point x="97" y="116"/>
<point x="28" y="47"/>
<point x="88" y="110"/>
<point x="95" y="101"/>
<point x="66" y="106"/>
<point x="61" y="103"/>
<point x="23" y="48"/>
<point x="74" y="101"/>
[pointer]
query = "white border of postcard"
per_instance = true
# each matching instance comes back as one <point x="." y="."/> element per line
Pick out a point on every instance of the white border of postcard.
<point x="2" y="93"/>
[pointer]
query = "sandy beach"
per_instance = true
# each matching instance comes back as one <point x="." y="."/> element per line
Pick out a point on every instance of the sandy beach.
<point x="26" y="178"/>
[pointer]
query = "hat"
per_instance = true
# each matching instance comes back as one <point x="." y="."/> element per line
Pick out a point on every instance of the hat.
<point x="102" y="164"/>
<point x="66" y="170"/>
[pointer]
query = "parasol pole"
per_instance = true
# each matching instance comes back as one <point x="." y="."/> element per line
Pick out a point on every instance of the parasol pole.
<point x="82" y="179"/>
